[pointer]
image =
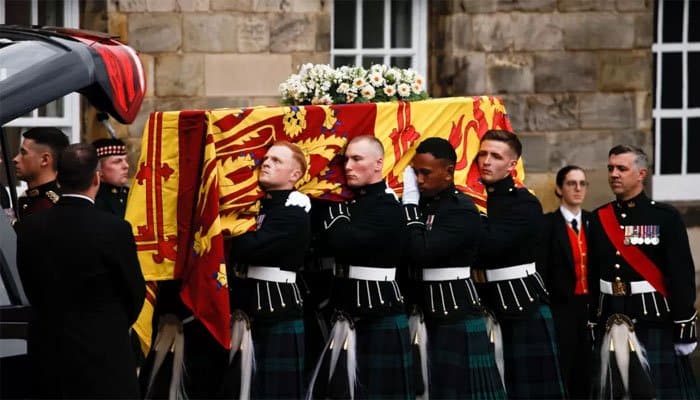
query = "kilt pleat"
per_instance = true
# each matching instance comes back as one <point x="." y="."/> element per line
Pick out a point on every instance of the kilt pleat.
<point x="279" y="360"/>
<point x="461" y="361"/>
<point x="671" y="375"/>
<point x="531" y="357"/>
<point x="384" y="359"/>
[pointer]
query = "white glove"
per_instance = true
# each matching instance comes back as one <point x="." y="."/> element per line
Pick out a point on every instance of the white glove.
<point x="411" y="195"/>
<point x="683" y="349"/>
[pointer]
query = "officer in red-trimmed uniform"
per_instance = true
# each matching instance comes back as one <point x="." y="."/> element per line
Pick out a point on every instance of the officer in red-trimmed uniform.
<point x="639" y="248"/>
<point x="36" y="164"/>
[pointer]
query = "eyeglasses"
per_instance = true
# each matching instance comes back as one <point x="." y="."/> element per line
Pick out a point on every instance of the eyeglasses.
<point x="573" y="184"/>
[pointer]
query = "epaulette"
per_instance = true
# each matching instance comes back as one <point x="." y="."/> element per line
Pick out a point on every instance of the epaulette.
<point x="390" y="191"/>
<point x="298" y="199"/>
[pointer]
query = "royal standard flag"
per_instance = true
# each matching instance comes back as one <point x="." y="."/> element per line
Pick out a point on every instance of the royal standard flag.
<point x="196" y="180"/>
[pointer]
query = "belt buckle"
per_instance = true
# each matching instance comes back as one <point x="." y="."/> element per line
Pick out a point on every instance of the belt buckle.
<point x="619" y="288"/>
<point x="478" y="275"/>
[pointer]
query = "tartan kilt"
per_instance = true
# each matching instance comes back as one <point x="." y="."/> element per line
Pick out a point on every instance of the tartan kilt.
<point x="671" y="375"/>
<point x="461" y="361"/>
<point x="531" y="357"/>
<point x="384" y="362"/>
<point x="279" y="360"/>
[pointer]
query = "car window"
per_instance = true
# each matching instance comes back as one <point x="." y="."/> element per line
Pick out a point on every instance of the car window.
<point x="21" y="55"/>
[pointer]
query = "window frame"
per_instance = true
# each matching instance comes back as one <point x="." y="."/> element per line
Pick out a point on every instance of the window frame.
<point x="666" y="186"/>
<point x="419" y="37"/>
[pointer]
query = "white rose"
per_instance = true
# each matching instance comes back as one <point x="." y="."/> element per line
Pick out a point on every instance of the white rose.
<point x="390" y="90"/>
<point x="376" y="79"/>
<point x="368" y="92"/>
<point x="404" y="90"/>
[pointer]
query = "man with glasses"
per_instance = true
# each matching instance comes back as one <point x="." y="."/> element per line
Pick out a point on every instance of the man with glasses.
<point x="564" y="267"/>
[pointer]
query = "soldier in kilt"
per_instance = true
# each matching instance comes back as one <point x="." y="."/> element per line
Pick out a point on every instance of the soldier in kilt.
<point x="443" y="228"/>
<point x="640" y="252"/>
<point x="507" y="278"/>
<point x="368" y="353"/>
<point x="267" y="355"/>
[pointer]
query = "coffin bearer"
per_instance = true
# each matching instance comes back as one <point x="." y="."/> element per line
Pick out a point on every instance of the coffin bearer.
<point x="443" y="231"/>
<point x="510" y="285"/>
<point x="564" y="267"/>
<point x="114" y="176"/>
<point x="265" y="299"/>
<point x="368" y="354"/>
<point x="639" y="248"/>
<point x="36" y="164"/>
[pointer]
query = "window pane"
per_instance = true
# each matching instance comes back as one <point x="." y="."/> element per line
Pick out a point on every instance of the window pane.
<point x="344" y="24"/>
<point x="693" y="79"/>
<point x="18" y="12"/>
<point x="53" y="109"/>
<point x="339" y="61"/>
<point x="671" y="146"/>
<point x="694" y="27"/>
<point x="401" y="23"/>
<point x="673" y="21"/>
<point x="51" y="12"/>
<point x="672" y="80"/>
<point x="401" y="62"/>
<point x="373" y="24"/>
<point x="367" y="61"/>
<point x="693" y="145"/>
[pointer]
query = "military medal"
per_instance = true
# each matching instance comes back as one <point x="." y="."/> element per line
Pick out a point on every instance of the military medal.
<point x="647" y="235"/>
<point x="656" y="239"/>
<point x="259" y="221"/>
<point x="628" y="234"/>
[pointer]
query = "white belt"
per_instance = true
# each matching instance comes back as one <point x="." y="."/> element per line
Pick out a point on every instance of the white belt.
<point x="636" y="287"/>
<point x="446" y="274"/>
<point x="271" y="274"/>
<point x="372" y="274"/>
<point x="508" y="273"/>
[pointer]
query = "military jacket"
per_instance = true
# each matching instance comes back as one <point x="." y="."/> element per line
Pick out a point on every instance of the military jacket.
<point x="509" y="237"/>
<point x="370" y="236"/>
<point x="112" y="199"/>
<point x="443" y="232"/>
<point x="658" y="231"/>
<point x="280" y="240"/>
<point x="38" y="198"/>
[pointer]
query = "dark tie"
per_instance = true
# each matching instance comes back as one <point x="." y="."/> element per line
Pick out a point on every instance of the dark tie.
<point x="574" y="225"/>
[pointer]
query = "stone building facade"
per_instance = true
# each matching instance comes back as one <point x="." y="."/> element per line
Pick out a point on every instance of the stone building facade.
<point x="576" y="75"/>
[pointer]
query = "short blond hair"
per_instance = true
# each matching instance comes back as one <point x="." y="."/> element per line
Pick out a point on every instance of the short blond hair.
<point x="297" y="154"/>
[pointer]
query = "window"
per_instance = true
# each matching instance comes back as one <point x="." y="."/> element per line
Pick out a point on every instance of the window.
<point x="676" y="113"/>
<point x="63" y="113"/>
<point x="391" y="32"/>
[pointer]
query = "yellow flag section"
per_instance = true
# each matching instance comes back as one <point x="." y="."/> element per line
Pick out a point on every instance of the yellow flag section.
<point x="196" y="180"/>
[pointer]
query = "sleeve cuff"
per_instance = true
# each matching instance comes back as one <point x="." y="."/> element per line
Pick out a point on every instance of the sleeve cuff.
<point x="412" y="215"/>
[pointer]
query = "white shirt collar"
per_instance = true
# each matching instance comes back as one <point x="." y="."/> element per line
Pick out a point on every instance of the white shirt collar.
<point x="80" y="196"/>
<point x="568" y="216"/>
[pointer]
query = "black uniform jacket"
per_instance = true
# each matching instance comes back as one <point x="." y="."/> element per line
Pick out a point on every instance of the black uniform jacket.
<point x="671" y="255"/>
<point x="38" y="198"/>
<point x="556" y="262"/>
<point x="81" y="274"/>
<point x="281" y="241"/>
<point x="509" y="236"/>
<point x="112" y="199"/>
<point x="370" y="238"/>
<point x="443" y="232"/>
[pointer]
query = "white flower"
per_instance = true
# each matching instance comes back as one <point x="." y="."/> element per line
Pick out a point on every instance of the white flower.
<point x="376" y="79"/>
<point x="342" y="88"/>
<point x="416" y="87"/>
<point x="404" y="90"/>
<point x="325" y="99"/>
<point x="390" y="90"/>
<point x="358" y="82"/>
<point x="368" y="92"/>
<point x="350" y="97"/>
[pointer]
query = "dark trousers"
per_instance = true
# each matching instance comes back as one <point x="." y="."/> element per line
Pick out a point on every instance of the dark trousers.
<point x="575" y="342"/>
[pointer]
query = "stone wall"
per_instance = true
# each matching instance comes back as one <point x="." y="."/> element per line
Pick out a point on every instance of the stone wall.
<point x="575" y="76"/>
<point x="210" y="53"/>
